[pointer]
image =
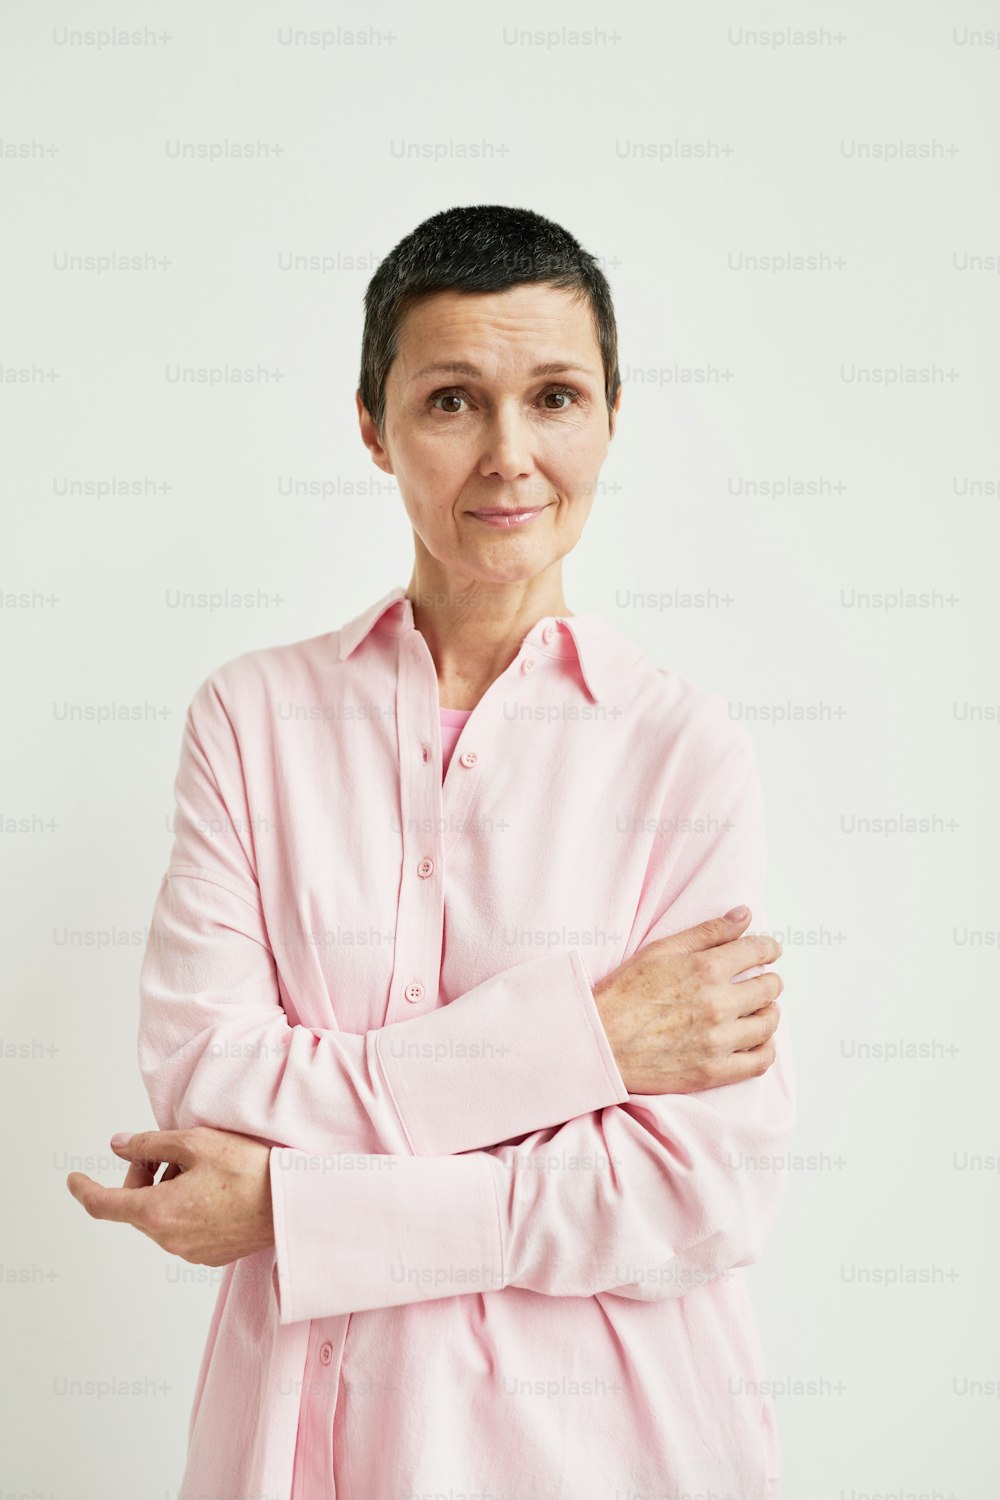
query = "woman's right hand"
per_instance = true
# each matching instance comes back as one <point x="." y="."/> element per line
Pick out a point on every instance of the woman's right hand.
<point x="676" y="1021"/>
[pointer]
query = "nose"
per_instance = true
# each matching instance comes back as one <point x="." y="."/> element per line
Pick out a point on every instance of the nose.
<point x="507" y="445"/>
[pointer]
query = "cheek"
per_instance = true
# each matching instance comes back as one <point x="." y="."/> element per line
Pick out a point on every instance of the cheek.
<point x="578" y="461"/>
<point x="435" y="453"/>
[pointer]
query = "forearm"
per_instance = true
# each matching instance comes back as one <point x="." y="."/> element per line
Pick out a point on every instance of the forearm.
<point x="216" y="1048"/>
<point x="644" y="1200"/>
<point x="641" y="1199"/>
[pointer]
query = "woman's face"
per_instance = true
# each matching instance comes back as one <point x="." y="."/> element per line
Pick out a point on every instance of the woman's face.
<point x="472" y="424"/>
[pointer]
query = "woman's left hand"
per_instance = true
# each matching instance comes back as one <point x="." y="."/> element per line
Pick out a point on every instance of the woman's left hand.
<point x="211" y="1206"/>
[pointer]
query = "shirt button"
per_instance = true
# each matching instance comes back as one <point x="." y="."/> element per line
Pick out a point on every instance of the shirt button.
<point x="414" y="992"/>
<point x="468" y="757"/>
<point x="548" y="632"/>
<point x="425" y="868"/>
<point x="325" y="1353"/>
<point x="528" y="664"/>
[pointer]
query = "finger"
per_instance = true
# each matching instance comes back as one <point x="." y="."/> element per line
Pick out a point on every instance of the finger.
<point x="741" y="1065"/>
<point x="749" y="951"/>
<point x="107" y="1203"/>
<point x="751" y="995"/>
<point x="710" y="934"/>
<point x="753" y="1031"/>
<point x="156" y="1146"/>
<point x="140" y="1174"/>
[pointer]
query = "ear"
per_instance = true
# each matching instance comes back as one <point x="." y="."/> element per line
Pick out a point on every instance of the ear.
<point x="370" y="437"/>
<point x="615" y="409"/>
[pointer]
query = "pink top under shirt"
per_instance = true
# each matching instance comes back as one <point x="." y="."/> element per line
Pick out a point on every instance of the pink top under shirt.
<point x="452" y="723"/>
<point x="496" y="1272"/>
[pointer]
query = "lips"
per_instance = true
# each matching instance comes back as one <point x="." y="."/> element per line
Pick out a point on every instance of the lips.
<point x="507" y="520"/>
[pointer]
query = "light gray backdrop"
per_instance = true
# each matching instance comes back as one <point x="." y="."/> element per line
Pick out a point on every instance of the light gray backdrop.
<point x="797" y="210"/>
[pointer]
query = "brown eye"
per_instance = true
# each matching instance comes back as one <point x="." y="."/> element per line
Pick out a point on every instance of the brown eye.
<point x="447" y="396"/>
<point x="566" y="396"/>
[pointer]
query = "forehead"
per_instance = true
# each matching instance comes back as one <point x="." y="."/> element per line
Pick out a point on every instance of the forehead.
<point x="513" y="329"/>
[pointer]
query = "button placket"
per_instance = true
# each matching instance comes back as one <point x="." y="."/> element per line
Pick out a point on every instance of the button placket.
<point x="317" y="1404"/>
<point x="420" y="915"/>
<point x="426" y="803"/>
<point x="460" y="789"/>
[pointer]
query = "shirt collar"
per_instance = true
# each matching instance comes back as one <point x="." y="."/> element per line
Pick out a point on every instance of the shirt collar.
<point x="600" y="649"/>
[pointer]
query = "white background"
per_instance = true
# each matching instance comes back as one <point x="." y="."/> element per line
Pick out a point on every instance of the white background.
<point x="889" y="937"/>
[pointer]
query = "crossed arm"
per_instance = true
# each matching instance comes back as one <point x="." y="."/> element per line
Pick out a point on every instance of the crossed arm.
<point x="491" y="1172"/>
<point x="216" y="1048"/>
<point x="644" y="1198"/>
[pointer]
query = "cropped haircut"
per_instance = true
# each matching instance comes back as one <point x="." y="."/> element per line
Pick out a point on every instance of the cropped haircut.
<point x="482" y="248"/>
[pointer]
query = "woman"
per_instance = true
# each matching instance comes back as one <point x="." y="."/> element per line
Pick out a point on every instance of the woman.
<point x="437" y="1012"/>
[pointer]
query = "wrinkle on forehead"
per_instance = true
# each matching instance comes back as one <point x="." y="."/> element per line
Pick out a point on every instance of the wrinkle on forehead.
<point x="486" y="330"/>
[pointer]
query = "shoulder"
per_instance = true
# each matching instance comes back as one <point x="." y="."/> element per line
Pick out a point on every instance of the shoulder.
<point x="662" y="704"/>
<point x="701" y="712"/>
<point x="687" y="718"/>
<point x="255" y="681"/>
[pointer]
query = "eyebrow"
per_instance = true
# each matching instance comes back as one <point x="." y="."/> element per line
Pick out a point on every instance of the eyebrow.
<point x="456" y="367"/>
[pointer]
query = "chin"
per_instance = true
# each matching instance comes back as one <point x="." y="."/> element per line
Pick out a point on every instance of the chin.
<point x="512" y="570"/>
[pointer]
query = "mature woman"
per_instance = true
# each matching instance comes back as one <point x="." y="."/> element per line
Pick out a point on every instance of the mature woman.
<point x="438" y="1018"/>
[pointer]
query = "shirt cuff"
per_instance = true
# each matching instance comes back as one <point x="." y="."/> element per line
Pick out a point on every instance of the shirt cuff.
<point x="523" y="1050"/>
<point x="353" y="1232"/>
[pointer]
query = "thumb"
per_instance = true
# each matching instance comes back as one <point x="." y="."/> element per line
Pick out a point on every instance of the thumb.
<point x="715" y="931"/>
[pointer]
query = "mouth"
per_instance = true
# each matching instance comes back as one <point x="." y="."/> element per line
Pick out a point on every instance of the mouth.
<point x="497" y="516"/>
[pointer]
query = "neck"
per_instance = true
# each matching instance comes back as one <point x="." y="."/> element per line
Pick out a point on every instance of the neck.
<point x="474" y="630"/>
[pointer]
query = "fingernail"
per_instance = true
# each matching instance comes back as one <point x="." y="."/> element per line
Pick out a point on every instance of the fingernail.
<point x="737" y="914"/>
<point x="119" y="1138"/>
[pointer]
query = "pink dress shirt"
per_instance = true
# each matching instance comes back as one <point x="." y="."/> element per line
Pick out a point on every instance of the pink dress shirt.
<point x="497" y="1275"/>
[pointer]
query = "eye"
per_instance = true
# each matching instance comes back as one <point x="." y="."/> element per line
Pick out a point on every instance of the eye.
<point x="447" y="396"/>
<point x="566" y="395"/>
<point x="569" y="395"/>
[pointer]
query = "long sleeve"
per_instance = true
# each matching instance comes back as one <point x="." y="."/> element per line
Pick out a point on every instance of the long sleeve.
<point x="644" y="1199"/>
<point x="216" y="1048"/>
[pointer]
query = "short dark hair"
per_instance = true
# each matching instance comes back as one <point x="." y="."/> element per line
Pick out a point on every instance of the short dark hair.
<point x="484" y="247"/>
